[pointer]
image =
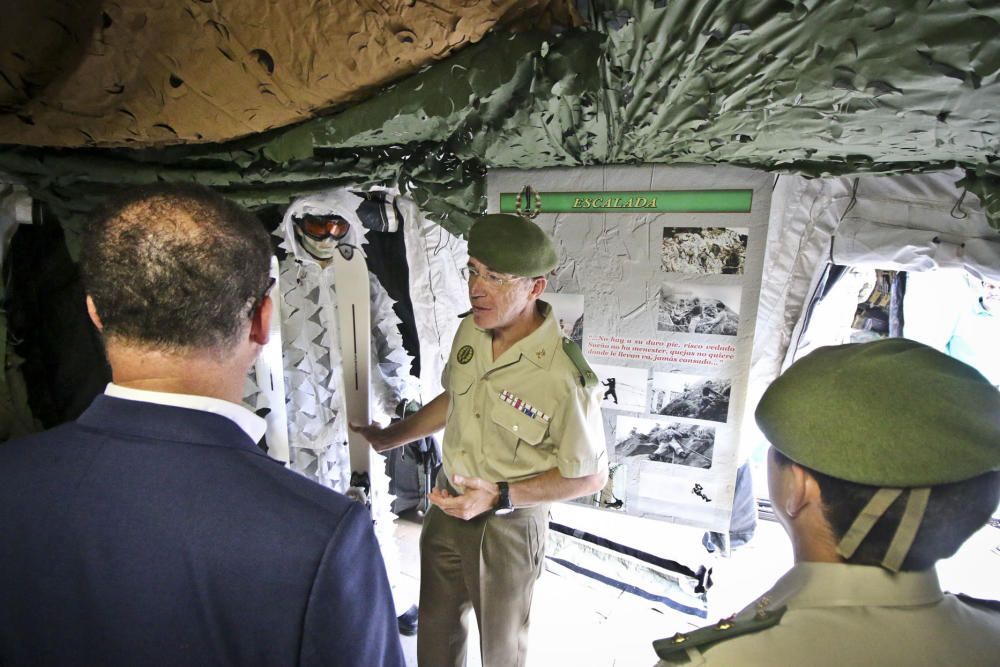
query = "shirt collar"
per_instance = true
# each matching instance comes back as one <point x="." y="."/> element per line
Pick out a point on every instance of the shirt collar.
<point x="539" y="346"/>
<point x="248" y="422"/>
<point x="844" y="585"/>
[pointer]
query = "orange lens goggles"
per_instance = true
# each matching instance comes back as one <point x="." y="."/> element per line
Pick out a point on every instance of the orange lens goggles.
<point x="322" y="227"/>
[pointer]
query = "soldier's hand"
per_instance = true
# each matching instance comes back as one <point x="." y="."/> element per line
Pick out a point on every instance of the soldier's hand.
<point x="480" y="496"/>
<point x="375" y="434"/>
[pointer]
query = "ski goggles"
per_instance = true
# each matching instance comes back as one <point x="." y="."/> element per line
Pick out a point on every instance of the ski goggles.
<point x="322" y="227"/>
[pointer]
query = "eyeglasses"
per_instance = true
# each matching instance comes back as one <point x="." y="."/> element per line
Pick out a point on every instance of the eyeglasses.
<point x="322" y="227"/>
<point x="489" y="278"/>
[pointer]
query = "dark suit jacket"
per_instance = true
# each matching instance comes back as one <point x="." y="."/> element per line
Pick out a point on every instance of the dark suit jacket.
<point x="144" y="534"/>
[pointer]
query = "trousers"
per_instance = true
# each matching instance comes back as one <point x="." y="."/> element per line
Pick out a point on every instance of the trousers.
<point x="488" y="565"/>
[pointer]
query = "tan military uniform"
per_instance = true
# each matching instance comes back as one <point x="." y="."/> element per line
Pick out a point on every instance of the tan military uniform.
<point x="531" y="410"/>
<point x="835" y="614"/>
<point x="523" y="414"/>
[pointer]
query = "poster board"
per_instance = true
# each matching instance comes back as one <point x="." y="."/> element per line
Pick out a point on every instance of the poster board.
<point x="658" y="281"/>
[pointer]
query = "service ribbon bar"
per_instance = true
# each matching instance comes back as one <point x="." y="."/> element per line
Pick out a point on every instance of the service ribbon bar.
<point x="518" y="404"/>
<point x="656" y="201"/>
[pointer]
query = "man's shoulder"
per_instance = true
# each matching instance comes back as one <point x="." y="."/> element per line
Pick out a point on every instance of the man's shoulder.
<point x="32" y="443"/>
<point x="571" y="362"/>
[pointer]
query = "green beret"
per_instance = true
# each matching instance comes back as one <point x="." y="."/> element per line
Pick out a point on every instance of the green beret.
<point x="887" y="413"/>
<point x="512" y="244"/>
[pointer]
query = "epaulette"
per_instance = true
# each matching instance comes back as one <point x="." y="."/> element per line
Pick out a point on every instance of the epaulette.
<point x="466" y="313"/>
<point x="588" y="378"/>
<point x="990" y="605"/>
<point x="674" y="649"/>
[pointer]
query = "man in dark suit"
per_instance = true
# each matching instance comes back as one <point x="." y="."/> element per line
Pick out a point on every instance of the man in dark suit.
<point x="152" y="530"/>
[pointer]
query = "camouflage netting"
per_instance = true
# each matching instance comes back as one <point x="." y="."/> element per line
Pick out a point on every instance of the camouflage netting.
<point x="151" y="73"/>
<point x="834" y="87"/>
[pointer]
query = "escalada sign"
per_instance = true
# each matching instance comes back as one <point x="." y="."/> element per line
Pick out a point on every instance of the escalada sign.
<point x="662" y="201"/>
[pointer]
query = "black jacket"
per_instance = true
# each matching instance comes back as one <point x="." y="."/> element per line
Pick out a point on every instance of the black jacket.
<point x="144" y="534"/>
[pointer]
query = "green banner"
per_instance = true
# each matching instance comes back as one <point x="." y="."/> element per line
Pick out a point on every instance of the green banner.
<point x="656" y="201"/>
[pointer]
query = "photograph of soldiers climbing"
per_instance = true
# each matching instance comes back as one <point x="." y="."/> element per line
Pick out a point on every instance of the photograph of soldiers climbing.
<point x="681" y="395"/>
<point x="665" y="442"/>
<point x="712" y="250"/>
<point x="622" y="387"/>
<point x="687" y="312"/>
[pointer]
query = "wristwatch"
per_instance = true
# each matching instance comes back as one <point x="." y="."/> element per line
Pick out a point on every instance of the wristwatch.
<point x="503" y="505"/>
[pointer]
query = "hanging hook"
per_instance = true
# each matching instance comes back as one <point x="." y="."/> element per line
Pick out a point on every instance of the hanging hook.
<point x="854" y="200"/>
<point x="958" y="207"/>
<point x="525" y="194"/>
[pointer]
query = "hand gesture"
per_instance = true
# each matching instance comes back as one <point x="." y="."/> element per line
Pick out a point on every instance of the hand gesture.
<point x="480" y="496"/>
<point x="377" y="435"/>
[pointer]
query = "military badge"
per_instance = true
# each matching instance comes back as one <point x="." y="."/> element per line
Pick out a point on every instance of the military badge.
<point x="464" y="355"/>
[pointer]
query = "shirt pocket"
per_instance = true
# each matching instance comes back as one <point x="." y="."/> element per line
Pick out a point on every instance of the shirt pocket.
<point x="518" y="425"/>
<point x="459" y="390"/>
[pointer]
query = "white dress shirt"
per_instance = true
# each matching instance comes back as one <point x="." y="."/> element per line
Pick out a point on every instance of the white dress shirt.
<point x="250" y="423"/>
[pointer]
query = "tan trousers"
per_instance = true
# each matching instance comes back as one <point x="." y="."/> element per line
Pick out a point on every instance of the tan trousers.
<point x="488" y="564"/>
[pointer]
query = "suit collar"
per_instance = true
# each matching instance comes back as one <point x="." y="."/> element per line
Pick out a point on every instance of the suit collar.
<point x="141" y="419"/>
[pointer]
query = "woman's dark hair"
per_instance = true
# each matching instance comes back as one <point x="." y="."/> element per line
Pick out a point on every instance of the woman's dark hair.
<point x="954" y="512"/>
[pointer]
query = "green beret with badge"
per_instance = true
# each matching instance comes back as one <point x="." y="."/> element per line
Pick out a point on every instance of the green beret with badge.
<point x="892" y="412"/>
<point x="512" y="244"/>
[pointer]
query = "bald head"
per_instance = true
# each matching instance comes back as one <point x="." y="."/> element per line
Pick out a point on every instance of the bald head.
<point x="175" y="267"/>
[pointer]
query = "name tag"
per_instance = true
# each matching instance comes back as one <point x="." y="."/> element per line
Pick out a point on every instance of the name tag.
<point x="522" y="406"/>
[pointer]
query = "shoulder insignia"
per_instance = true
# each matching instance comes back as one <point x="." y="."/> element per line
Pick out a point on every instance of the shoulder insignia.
<point x="989" y="605"/>
<point x="673" y="649"/>
<point x="465" y="314"/>
<point x="588" y="378"/>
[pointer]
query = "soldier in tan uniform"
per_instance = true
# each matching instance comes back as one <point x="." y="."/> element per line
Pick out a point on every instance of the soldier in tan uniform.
<point x="884" y="459"/>
<point x="522" y="429"/>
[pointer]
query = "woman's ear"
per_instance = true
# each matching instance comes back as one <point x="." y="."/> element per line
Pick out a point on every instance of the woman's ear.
<point x="799" y="491"/>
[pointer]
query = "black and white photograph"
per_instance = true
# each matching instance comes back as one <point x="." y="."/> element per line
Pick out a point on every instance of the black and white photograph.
<point x="704" y="250"/>
<point x="568" y="311"/>
<point x="691" y="396"/>
<point x="662" y="441"/>
<point x="622" y="387"/>
<point x="700" y="309"/>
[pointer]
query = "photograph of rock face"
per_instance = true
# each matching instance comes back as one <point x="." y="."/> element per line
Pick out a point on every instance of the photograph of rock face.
<point x="699" y="309"/>
<point x="664" y="442"/>
<point x="568" y="311"/>
<point x="706" y="251"/>
<point x="691" y="396"/>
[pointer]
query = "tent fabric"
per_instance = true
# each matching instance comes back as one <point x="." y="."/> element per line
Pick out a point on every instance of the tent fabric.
<point x="438" y="291"/>
<point x="831" y="88"/>
<point x="861" y="242"/>
<point x="886" y="222"/>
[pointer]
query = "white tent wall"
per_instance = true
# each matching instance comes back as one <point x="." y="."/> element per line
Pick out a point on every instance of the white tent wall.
<point x="915" y="222"/>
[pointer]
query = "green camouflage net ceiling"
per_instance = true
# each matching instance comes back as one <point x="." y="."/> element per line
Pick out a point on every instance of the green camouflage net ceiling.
<point x="816" y="87"/>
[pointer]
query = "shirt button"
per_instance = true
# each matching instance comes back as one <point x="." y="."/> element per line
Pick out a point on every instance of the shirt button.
<point x="477" y="415"/>
<point x="514" y="427"/>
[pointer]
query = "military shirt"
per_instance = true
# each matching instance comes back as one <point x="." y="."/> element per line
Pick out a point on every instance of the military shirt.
<point x="837" y="614"/>
<point x="525" y="413"/>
